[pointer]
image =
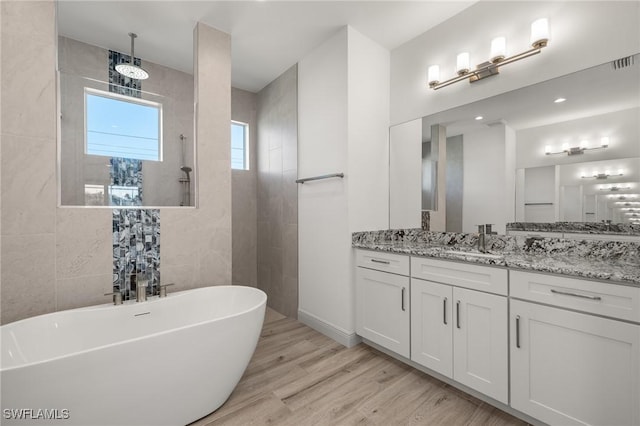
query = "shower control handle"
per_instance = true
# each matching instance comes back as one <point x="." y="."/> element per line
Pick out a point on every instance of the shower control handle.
<point x="163" y="289"/>
<point x="117" y="297"/>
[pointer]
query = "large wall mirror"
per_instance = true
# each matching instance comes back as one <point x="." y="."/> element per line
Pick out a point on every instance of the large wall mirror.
<point x="567" y="149"/>
<point x="122" y="142"/>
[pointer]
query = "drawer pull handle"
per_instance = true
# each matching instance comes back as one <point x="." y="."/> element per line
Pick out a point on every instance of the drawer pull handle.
<point x="458" y="314"/>
<point x="384" y="262"/>
<point x="444" y="311"/>
<point x="566" y="293"/>
<point x="402" y="296"/>
<point x="518" y="331"/>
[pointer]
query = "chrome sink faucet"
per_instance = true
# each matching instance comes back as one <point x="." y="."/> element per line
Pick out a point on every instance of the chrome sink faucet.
<point x="481" y="238"/>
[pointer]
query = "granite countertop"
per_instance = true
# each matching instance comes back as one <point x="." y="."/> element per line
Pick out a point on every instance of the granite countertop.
<point x="577" y="227"/>
<point x="618" y="262"/>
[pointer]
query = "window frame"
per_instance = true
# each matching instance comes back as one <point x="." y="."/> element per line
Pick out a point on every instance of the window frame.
<point x="245" y="146"/>
<point x="123" y="98"/>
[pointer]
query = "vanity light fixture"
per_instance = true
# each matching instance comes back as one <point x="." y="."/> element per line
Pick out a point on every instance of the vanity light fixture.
<point x="539" y="39"/>
<point x="606" y="175"/>
<point x="577" y="150"/>
<point x="614" y="188"/>
<point x="131" y="70"/>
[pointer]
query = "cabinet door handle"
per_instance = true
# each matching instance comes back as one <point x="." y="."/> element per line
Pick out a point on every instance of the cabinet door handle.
<point x="584" y="296"/>
<point x="402" y="296"/>
<point x="458" y="314"/>
<point x="384" y="262"/>
<point x="444" y="311"/>
<point x="518" y="331"/>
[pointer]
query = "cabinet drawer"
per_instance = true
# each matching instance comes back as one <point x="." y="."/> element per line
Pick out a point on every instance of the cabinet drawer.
<point x="474" y="277"/>
<point x="616" y="301"/>
<point x="382" y="261"/>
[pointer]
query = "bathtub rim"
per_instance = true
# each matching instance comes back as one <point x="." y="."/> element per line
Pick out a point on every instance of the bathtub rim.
<point x="263" y="302"/>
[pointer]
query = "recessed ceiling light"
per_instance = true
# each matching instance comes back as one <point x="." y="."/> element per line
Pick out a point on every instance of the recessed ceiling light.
<point x="479" y="117"/>
<point x="559" y="100"/>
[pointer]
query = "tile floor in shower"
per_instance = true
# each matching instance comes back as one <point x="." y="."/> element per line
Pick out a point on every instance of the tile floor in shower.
<point x="300" y="377"/>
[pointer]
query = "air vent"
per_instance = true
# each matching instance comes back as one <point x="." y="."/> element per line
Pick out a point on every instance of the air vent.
<point x="622" y="63"/>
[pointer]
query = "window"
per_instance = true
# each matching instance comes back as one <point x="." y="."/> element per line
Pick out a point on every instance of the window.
<point x="121" y="126"/>
<point x="239" y="145"/>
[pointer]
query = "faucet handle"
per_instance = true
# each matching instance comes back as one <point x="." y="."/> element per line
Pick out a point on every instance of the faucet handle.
<point x="488" y="229"/>
<point x="163" y="289"/>
<point x="481" y="229"/>
<point x="117" y="297"/>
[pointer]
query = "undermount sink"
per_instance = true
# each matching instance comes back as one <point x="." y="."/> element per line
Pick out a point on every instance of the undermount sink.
<point x="474" y="254"/>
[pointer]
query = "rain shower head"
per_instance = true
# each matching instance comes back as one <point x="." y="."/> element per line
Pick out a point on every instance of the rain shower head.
<point x="131" y="70"/>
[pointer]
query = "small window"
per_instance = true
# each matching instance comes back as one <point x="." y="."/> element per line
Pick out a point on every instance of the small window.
<point x="121" y="126"/>
<point x="239" y="145"/>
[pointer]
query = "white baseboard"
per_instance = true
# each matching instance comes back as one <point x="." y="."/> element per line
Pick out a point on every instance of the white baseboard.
<point x="329" y="330"/>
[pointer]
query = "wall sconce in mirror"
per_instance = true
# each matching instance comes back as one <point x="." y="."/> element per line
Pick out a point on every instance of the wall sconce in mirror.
<point x="577" y="150"/>
<point x="606" y="175"/>
<point x="539" y="39"/>
<point x="614" y="188"/>
<point x="623" y="197"/>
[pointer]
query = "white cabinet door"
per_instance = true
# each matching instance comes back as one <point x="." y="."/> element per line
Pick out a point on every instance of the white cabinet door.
<point x="382" y="309"/>
<point x="431" y="336"/>
<point x="574" y="369"/>
<point x="480" y="341"/>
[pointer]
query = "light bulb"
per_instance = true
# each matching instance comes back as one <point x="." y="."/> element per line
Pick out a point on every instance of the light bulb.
<point x="565" y="147"/>
<point x="547" y="149"/>
<point x="604" y="141"/>
<point x="584" y="143"/>
<point x="462" y="63"/>
<point x="433" y="75"/>
<point x="539" y="33"/>
<point x="620" y="172"/>
<point x="498" y="49"/>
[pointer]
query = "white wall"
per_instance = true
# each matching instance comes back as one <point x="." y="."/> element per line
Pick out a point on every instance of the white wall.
<point x="368" y="133"/>
<point x="405" y="151"/>
<point x="343" y="89"/>
<point x="324" y="239"/>
<point x="485" y="189"/>
<point x="583" y="34"/>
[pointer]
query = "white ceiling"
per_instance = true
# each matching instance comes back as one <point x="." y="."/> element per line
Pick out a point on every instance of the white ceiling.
<point x="267" y="37"/>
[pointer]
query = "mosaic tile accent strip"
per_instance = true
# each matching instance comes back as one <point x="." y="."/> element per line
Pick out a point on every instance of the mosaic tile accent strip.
<point x="425" y="221"/>
<point x="126" y="173"/>
<point x="136" y="251"/>
<point x="126" y="182"/>
<point x="118" y="83"/>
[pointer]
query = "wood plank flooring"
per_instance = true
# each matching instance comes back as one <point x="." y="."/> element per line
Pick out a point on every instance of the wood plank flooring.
<point x="300" y="377"/>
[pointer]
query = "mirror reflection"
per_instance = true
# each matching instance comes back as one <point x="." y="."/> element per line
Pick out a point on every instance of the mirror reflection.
<point x="562" y="150"/>
<point x="124" y="141"/>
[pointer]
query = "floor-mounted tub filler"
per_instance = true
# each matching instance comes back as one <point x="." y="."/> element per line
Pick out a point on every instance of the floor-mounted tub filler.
<point x="168" y="361"/>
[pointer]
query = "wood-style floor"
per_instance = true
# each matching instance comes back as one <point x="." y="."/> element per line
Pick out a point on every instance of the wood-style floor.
<point x="300" y="377"/>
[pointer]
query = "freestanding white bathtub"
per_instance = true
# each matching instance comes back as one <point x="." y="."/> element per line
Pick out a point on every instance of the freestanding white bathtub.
<point x="166" y="361"/>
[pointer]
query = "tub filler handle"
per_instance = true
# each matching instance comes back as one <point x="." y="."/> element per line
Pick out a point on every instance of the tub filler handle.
<point x="163" y="289"/>
<point x="117" y="297"/>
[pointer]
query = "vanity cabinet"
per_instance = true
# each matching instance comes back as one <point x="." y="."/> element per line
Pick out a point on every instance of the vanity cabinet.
<point x="382" y="300"/>
<point x="460" y="332"/>
<point x="571" y="367"/>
